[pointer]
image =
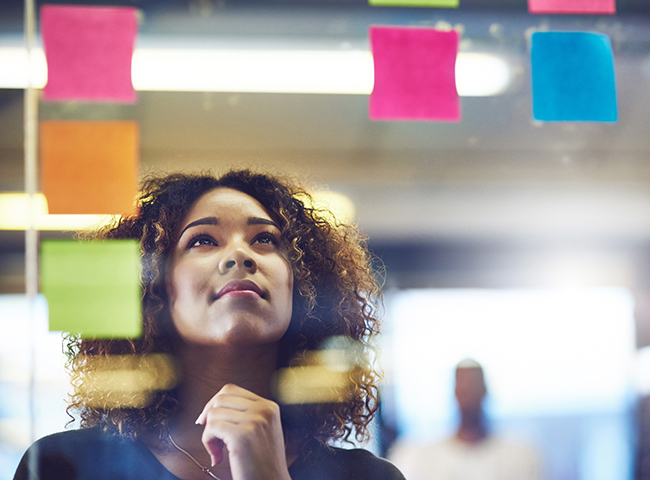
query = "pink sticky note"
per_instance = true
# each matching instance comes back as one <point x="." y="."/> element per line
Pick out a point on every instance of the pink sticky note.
<point x="89" y="51"/>
<point x="572" y="6"/>
<point x="415" y="77"/>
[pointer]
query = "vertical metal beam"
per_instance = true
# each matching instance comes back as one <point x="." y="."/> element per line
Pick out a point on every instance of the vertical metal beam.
<point x="31" y="188"/>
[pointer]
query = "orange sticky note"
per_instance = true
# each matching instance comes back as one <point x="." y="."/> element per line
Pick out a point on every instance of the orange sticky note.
<point x="89" y="167"/>
<point x="89" y="51"/>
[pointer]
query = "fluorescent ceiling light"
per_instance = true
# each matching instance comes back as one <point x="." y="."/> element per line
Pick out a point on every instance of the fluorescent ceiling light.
<point x="275" y="71"/>
<point x="14" y="215"/>
<point x="281" y="71"/>
<point x="481" y="75"/>
<point x="14" y="212"/>
<point x="15" y="67"/>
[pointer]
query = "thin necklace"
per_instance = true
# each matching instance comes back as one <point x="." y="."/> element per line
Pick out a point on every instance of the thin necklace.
<point x="205" y="469"/>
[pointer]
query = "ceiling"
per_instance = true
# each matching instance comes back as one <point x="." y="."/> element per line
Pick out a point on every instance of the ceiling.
<point x="466" y="204"/>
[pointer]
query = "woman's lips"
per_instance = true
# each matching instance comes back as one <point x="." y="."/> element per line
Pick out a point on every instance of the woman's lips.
<point x="246" y="287"/>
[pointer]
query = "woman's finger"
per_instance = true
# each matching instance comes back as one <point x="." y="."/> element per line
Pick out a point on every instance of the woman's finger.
<point x="230" y="396"/>
<point x="215" y="447"/>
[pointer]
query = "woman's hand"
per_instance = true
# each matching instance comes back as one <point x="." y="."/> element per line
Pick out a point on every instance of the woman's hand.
<point x="249" y="426"/>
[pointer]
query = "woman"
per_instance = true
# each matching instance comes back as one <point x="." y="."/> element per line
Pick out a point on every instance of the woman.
<point x="240" y="279"/>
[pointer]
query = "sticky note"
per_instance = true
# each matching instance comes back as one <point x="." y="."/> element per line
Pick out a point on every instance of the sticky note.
<point x="573" y="77"/>
<point x="92" y="287"/>
<point x="415" y="77"/>
<point x="89" y="167"/>
<point x="415" y="3"/>
<point x="88" y="51"/>
<point x="572" y="6"/>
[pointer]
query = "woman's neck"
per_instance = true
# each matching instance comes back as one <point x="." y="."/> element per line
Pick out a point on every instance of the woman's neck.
<point x="205" y="370"/>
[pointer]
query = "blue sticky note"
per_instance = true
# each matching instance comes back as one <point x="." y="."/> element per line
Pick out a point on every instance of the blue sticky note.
<point x="573" y="77"/>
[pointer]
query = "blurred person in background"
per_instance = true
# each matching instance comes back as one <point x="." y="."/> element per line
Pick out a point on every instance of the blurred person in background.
<point x="241" y="280"/>
<point x="473" y="452"/>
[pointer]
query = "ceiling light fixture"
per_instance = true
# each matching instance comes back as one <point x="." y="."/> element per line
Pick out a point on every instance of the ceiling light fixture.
<point x="14" y="215"/>
<point x="272" y="71"/>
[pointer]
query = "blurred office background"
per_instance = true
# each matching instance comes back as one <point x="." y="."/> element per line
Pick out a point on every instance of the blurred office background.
<point x="525" y="245"/>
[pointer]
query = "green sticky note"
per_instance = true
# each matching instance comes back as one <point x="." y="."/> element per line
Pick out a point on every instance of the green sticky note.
<point x="93" y="287"/>
<point x="415" y="3"/>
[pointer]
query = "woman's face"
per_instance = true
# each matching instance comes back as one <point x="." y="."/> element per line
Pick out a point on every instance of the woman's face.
<point x="229" y="281"/>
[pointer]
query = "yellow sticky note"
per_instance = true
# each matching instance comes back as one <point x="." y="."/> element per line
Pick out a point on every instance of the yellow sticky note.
<point x="93" y="287"/>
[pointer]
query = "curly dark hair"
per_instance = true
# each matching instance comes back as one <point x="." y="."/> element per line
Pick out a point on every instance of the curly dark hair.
<point x="336" y="293"/>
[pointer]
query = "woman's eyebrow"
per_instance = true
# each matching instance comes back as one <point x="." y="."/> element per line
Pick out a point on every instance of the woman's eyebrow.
<point x="262" y="221"/>
<point x="215" y="221"/>
<point x="201" y="221"/>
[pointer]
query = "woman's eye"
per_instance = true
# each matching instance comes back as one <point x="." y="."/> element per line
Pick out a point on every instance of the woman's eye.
<point x="201" y="241"/>
<point x="267" y="238"/>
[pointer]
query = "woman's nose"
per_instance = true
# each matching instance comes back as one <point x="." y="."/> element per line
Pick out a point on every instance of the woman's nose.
<point x="237" y="258"/>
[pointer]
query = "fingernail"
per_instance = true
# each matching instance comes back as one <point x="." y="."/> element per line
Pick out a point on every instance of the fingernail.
<point x="212" y="461"/>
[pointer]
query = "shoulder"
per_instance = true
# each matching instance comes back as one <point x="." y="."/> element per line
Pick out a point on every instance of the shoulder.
<point x="85" y="454"/>
<point x="57" y="455"/>
<point x="70" y="442"/>
<point x="514" y="447"/>
<point x="71" y="438"/>
<point x="419" y="460"/>
<point x="404" y="452"/>
<point x="325" y="463"/>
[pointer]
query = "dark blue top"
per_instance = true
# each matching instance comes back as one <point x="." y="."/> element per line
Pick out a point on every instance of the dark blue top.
<point x="89" y="454"/>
